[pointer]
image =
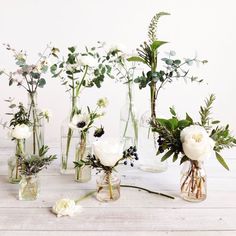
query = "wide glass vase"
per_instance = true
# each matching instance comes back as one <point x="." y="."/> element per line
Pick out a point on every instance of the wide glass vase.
<point x="14" y="167"/>
<point x="108" y="187"/>
<point x="36" y="140"/>
<point x="69" y="141"/>
<point x="148" y="147"/>
<point x="129" y="120"/>
<point x="193" y="184"/>
<point x="83" y="149"/>
<point x="29" y="188"/>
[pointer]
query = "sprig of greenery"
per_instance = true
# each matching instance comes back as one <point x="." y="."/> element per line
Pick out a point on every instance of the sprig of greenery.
<point x="152" y="29"/>
<point x="33" y="164"/>
<point x="129" y="154"/>
<point x="205" y="112"/>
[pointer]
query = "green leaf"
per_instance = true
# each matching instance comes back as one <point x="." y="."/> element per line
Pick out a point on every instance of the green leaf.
<point x="41" y="83"/>
<point x="215" y="122"/>
<point x="184" y="123"/>
<point x="174" y="123"/>
<point x="167" y="155"/>
<point x="71" y="49"/>
<point x="183" y="159"/>
<point x="172" y="111"/>
<point x="53" y="68"/>
<point x="222" y="161"/>
<point x="156" y="44"/>
<point x="136" y="59"/>
<point x="189" y="118"/>
<point x="175" y="157"/>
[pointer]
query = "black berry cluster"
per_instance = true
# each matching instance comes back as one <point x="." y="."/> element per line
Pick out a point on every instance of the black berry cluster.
<point x="130" y="155"/>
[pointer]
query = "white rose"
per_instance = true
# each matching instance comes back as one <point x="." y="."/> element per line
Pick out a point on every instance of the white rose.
<point x="109" y="152"/>
<point x="197" y="144"/>
<point x="66" y="207"/>
<point x="79" y="121"/>
<point x="21" y="132"/>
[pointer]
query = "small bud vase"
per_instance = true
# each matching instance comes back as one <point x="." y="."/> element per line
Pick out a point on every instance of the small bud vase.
<point x="83" y="148"/>
<point x="108" y="187"/>
<point x="29" y="188"/>
<point x="193" y="182"/>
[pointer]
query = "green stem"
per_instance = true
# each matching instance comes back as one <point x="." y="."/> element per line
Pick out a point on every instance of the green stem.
<point x="85" y="196"/>
<point x="110" y="186"/>
<point x="147" y="190"/>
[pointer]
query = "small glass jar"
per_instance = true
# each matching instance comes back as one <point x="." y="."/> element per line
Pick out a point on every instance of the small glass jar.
<point x="29" y="187"/>
<point x="108" y="187"/>
<point x="83" y="148"/>
<point x="193" y="182"/>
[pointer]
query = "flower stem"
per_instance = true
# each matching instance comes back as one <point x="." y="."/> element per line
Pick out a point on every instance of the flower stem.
<point x="85" y="196"/>
<point x="147" y="190"/>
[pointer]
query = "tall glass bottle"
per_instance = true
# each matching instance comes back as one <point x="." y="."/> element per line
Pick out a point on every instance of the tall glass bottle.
<point x="129" y="119"/>
<point x="83" y="148"/>
<point x="148" y="146"/>
<point x="69" y="140"/>
<point x="36" y="140"/>
<point x="14" y="167"/>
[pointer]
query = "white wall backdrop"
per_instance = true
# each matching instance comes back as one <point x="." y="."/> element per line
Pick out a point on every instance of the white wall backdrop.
<point x="204" y="27"/>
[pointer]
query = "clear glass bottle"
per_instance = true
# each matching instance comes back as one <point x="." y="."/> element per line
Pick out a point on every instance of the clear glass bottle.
<point x="148" y="146"/>
<point x="108" y="187"/>
<point x="36" y="140"/>
<point x="83" y="148"/>
<point x="14" y="167"/>
<point x="69" y="141"/>
<point x="193" y="183"/>
<point x="129" y="120"/>
<point x="29" y="188"/>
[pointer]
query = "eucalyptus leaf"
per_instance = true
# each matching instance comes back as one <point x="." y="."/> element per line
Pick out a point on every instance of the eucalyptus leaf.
<point x="222" y="161"/>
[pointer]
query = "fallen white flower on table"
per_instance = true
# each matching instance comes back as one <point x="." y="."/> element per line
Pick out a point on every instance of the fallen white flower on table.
<point x="66" y="207"/>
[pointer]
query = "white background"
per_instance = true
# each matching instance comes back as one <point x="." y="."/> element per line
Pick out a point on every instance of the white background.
<point x="204" y="27"/>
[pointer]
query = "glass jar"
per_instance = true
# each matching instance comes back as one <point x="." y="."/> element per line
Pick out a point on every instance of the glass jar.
<point x="69" y="141"/>
<point x="14" y="166"/>
<point x="193" y="183"/>
<point x="148" y="146"/>
<point x="129" y="120"/>
<point x="36" y="140"/>
<point x="83" y="148"/>
<point x="29" y="188"/>
<point x="108" y="187"/>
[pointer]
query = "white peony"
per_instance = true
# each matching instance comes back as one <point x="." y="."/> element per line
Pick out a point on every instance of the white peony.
<point x="21" y="131"/>
<point x="79" y="121"/>
<point x="197" y="144"/>
<point x="66" y="207"/>
<point x="109" y="152"/>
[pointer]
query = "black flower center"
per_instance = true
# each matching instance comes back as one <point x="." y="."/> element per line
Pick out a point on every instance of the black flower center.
<point x="81" y="124"/>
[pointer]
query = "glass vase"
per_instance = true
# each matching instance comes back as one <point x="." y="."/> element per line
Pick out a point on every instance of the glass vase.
<point x="69" y="141"/>
<point x="83" y="148"/>
<point x="129" y="120"/>
<point x="193" y="182"/>
<point x="14" y="166"/>
<point x="108" y="187"/>
<point x="29" y="188"/>
<point x="148" y="146"/>
<point x="36" y="140"/>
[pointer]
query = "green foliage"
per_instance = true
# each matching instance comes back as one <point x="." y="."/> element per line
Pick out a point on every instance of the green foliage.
<point x="152" y="29"/>
<point x="169" y="133"/>
<point x="33" y="164"/>
<point x="19" y="117"/>
<point x="205" y="112"/>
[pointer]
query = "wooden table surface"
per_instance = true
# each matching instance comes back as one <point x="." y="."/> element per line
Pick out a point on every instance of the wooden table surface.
<point x="136" y="212"/>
